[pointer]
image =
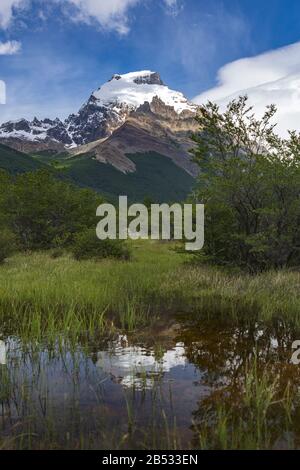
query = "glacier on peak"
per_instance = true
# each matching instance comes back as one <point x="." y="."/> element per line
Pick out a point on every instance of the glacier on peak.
<point x="135" y="88"/>
<point x="105" y="111"/>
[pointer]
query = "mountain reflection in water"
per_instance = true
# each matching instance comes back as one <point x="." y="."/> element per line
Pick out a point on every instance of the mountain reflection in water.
<point x="148" y="389"/>
<point x="136" y="366"/>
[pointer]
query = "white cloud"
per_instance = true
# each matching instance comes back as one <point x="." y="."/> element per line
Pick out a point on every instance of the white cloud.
<point x="6" y="10"/>
<point x="10" y="47"/>
<point x="173" y="6"/>
<point x="110" y="14"/>
<point x="272" y="77"/>
<point x="171" y="3"/>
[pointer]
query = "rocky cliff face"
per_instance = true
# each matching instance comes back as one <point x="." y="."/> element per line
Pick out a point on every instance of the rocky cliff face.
<point x="37" y="134"/>
<point x="131" y="113"/>
<point x="111" y="105"/>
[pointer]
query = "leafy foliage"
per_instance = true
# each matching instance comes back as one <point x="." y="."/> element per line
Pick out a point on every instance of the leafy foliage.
<point x="44" y="212"/>
<point x="250" y="184"/>
<point x="88" y="246"/>
<point x="7" y="244"/>
<point x="15" y="162"/>
<point x="157" y="177"/>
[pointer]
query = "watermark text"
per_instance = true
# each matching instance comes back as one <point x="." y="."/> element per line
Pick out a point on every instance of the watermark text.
<point x="160" y="222"/>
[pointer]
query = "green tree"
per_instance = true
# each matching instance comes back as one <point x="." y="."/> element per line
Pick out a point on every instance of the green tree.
<point x="5" y="184"/>
<point x="249" y="182"/>
<point x="88" y="246"/>
<point x="7" y="243"/>
<point x="45" y="212"/>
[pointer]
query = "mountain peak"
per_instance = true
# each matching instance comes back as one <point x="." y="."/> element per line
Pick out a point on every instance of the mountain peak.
<point x="133" y="89"/>
<point x="106" y="110"/>
<point x="144" y="77"/>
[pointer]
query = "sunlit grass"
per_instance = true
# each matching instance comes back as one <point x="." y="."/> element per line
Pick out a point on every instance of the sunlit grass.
<point x="42" y="295"/>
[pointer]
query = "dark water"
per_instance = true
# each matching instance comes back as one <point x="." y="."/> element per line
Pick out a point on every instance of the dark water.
<point x="130" y="391"/>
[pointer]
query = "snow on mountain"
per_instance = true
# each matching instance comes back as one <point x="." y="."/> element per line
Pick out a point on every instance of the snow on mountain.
<point x="104" y="112"/>
<point x="134" y="89"/>
<point x="134" y="366"/>
<point x="36" y="131"/>
<point x="109" y="106"/>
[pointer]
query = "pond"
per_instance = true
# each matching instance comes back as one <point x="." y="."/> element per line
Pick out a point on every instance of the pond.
<point x="165" y="388"/>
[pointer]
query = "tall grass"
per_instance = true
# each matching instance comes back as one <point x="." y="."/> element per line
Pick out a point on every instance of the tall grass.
<point x="256" y="417"/>
<point x="42" y="296"/>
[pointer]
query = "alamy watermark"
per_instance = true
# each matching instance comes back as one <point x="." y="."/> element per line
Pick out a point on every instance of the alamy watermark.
<point x="161" y="222"/>
<point x="295" y="359"/>
<point x="2" y="92"/>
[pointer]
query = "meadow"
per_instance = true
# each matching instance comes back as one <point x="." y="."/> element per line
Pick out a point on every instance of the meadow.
<point x="233" y="331"/>
<point x="42" y="294"/>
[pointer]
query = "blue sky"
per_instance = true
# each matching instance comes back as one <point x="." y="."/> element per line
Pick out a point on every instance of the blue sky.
<point x="54" y="53"/>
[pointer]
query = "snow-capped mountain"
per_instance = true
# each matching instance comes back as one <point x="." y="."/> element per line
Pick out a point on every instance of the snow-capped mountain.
<point x="46" y="130"/>
<point x="131" y="113"/>
<point x="109" y="106"/>
<point x="106" y="110"/>
<point x="134" y="89"/>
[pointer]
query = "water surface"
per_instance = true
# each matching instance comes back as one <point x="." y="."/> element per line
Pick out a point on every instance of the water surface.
<point x="149" y="390"/>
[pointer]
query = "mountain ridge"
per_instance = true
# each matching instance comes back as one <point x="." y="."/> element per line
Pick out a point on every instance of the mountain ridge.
<point x="129" y="114"/>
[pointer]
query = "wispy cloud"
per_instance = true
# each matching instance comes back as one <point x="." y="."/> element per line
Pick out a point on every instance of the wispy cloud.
<point x="272" y="77"/>
<point x="39" y="85"/>
<point x="112" y="15"/>
<point x="199" y="40"/>
<point x="10" y="47"/>
<point x="173" y="6"/>
<point x="7" y="9"/>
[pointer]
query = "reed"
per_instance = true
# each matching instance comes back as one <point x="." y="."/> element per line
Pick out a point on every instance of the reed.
<point x="41" y="296"/>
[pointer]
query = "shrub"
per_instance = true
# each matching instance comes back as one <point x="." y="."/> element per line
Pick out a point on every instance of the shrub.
<point x="88" y="246"/>
<point x="57" y="253"/>
<point x="45" y="212"/>
<point x="7" y="244"/>
<point x="249" y="181"/>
